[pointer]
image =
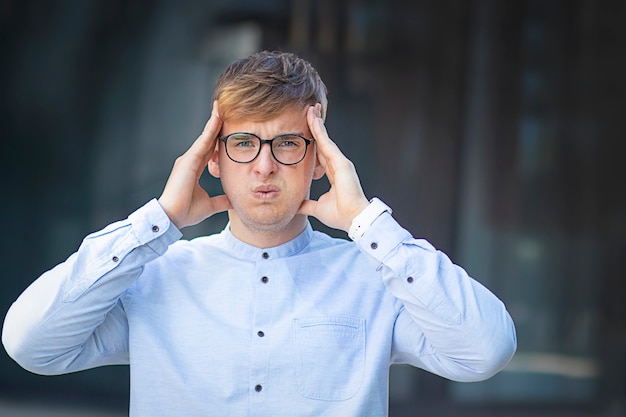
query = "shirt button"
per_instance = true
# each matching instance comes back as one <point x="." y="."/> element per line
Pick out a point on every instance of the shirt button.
<point x="264" y="280"/>
<point x="258" y="388"/>
<point x="115" y="259"/>
<point x="260" y="333"/>
<point x="265" y="255"/>
<point x="155" y="228"/>
<point x="374" y="245"/>
<point x="409" y="280"/>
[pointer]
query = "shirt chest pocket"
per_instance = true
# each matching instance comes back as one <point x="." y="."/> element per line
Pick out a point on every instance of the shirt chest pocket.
<point x="330" y="356"/>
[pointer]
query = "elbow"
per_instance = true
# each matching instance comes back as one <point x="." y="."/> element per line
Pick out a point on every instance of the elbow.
<point x="17" y="350"/>
<point x="30" y="359"/>
<point x="20" y="353"/>
<point x="11" y="346"/>
<point x="17" y="345"/>
<point x="495" y="355"/>
<point x="496" y="361"/>
<point x="504" y="346"/>
<point x="13" y="340"/>
<point x="494" y="349"/>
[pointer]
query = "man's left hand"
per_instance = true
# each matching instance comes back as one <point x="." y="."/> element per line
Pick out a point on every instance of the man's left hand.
<point x="345" y="199"/>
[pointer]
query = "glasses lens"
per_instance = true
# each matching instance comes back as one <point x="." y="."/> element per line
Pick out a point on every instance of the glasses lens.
<point x="242" y="147"/>
<point x="289" y="149"/>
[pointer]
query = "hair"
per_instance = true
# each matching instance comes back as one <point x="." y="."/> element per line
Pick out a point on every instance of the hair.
<point x="266" y="83"/>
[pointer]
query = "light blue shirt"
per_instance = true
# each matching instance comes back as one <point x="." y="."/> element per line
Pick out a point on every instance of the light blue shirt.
<point x="215" y="327"/>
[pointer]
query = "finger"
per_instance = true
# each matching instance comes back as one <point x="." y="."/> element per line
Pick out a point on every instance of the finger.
<point x="214" y="115"/>
<point x="220" y="203"/>
<point x="328" y="153"/>
<point x="326" y="146"/>
<point x="308" y="208"/>
<point x="205" y="143"/>
<point x="318" y="131"/>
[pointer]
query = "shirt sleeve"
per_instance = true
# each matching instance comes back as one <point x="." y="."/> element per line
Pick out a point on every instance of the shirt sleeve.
<point x="71" y="318"/>
<point x="448" y="323"/>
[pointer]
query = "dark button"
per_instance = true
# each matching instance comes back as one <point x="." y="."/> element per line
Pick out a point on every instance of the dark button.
<point x="155" y="228"/>
<point x="265" y="255"/>
<point x="264" y="280"/>
<point x="260" y="333"/>
<point x="374" y="245"/>
<point x="115" y="259"/>
<point x="409" y="280"/>
<point x="258" y="388"/>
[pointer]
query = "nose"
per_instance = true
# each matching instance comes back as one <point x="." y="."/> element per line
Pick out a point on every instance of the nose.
<point x="264" y="163"/>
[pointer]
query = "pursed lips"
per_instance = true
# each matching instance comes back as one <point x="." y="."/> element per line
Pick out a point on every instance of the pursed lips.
<point x="265" y="191"/>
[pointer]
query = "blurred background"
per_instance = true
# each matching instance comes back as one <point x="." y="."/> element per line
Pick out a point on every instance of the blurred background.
<point x="495" y="129"/>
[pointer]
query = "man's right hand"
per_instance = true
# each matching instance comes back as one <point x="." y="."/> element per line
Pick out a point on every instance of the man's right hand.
<point x="184" y="200"/>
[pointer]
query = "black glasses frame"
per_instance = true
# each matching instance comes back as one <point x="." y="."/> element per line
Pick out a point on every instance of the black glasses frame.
<point x="269" y="142"/>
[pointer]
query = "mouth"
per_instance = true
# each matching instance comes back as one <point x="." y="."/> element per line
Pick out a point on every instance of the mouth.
<point x="265" y="192"/>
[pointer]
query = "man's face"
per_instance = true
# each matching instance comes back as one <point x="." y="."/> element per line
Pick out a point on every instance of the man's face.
<point x="265" y="194"/>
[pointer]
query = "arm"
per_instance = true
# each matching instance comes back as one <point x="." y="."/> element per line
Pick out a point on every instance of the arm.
<point x="72" y="318"/>
<point x="448" y="323"/>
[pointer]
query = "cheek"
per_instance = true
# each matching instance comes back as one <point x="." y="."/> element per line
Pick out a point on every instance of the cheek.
<point x="311" y="167"/>
<point x="228" y="176"/>
<point x="228" y="180"/>
<point x="306" y="175"/>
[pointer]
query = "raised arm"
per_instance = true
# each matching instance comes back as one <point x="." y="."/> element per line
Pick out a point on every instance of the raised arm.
<point x="448" y="323"/>
<point x="183" y="199"/>
<point x="72" y="318"/>
<point x="345" y="198"/>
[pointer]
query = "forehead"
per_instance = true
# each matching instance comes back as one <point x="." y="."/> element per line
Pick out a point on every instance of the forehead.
<point x="288" y="121"/>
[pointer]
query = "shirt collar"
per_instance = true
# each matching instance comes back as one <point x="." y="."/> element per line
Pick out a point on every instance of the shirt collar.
<point x="242" y="250"/>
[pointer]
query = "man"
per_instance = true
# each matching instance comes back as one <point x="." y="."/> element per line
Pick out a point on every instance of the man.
<point x="268" y="317"/>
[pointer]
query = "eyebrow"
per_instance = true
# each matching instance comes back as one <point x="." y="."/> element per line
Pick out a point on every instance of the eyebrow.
<point x="300" y="133"/>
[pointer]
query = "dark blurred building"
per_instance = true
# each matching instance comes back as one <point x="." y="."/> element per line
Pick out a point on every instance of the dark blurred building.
<point x="495" y="129"/>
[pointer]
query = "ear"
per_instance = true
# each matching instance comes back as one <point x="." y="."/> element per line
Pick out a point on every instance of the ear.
<point x="214" y="162"/>
<point x="319" y="170"/>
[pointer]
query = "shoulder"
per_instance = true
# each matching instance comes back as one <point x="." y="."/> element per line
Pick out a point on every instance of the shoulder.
<point x="343" y="254"/>
<point x="187" y="260"/>
<point x="322" y="240"/>
<point x="200" y="249"/>
<point x="323" y="243"/>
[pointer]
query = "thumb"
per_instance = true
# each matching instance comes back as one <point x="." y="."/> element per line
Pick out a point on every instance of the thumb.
<point x="308" y="208"/>
<point x="220" y="203"/>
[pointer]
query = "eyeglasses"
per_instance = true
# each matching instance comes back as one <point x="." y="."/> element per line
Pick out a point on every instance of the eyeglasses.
<point x="288" y="149"/>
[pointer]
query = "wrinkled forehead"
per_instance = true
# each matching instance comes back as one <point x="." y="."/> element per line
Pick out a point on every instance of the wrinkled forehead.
<point x="262" y="112"/>
<point x="290" y="120"/>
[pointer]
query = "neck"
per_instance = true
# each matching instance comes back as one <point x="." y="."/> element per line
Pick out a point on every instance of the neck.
<point x="266" y="236"/>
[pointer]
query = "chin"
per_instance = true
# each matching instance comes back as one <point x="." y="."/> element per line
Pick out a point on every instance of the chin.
<point x="266" y="221"/>
<point x="273" y="223"/>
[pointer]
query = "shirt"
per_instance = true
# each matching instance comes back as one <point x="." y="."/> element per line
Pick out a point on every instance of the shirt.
<point x="215" y="327"/>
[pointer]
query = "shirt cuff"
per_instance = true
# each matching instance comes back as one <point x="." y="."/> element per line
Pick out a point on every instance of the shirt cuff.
<point x="153" y="228"/>
<point x="103" y="251"/>
<point x="362" y="222"/>
<point x="382" y="237"/>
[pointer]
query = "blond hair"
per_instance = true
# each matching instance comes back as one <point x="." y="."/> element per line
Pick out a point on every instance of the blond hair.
<point x="261" y="86"/>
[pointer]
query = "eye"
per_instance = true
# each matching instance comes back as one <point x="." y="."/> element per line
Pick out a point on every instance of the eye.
<point x="241" y="141"/>
<point x="288" y="142"/>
